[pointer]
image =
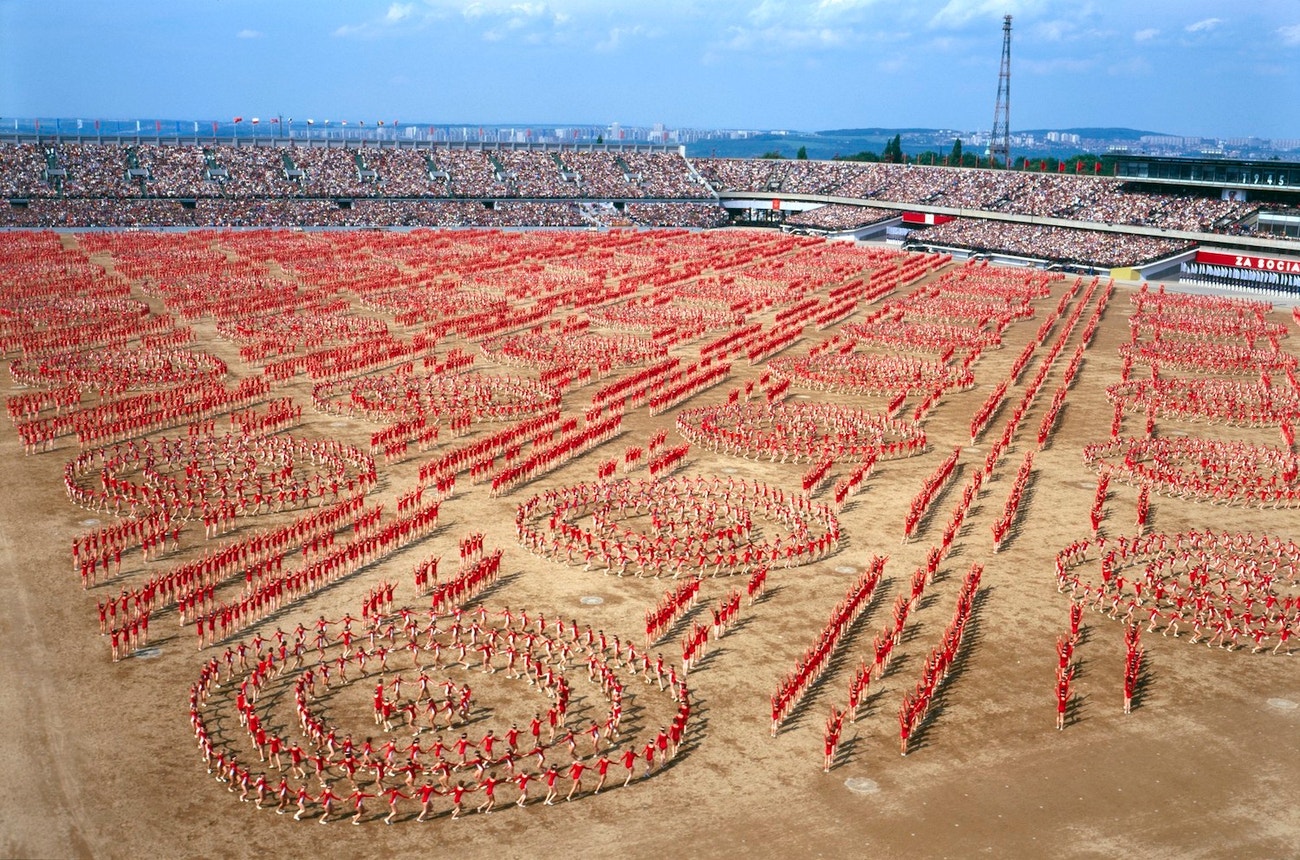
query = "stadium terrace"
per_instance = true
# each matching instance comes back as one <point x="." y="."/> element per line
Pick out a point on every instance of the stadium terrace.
<point x="1073" y="220"/>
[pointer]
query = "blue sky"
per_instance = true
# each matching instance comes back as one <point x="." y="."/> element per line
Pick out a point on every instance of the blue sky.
<point x="1176" y="66"/>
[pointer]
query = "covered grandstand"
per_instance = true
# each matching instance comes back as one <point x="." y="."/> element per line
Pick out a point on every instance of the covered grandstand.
<point x="1143" y="222"/>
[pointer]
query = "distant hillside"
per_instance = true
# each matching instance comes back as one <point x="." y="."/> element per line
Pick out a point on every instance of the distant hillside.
<point x="1086" y="132"/>
<point x="882" y="132"/>
<point x="1093" y="133"/>
<point x="820" y="146"/>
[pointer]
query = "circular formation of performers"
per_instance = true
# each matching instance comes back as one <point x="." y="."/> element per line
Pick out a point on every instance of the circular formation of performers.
<point x="799" y="432"/>
<point x="1203" y="469"/>
<point x="309" y="769"/>
<point x="1230" y="590"/>
<point x="400" y="395"/>
<point x="871" y="373"/>
<point x="678" y="525"/>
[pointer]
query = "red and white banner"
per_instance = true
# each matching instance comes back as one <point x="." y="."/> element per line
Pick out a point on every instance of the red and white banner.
<point x="1248" y="261"/>
<point x="925" y="218"/>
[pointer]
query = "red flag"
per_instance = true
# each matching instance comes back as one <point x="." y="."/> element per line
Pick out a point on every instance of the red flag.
<point x="157" y="126"/>
<point x="1026" y="162"/>
<point x="214" y="128"/>
<point x="1042" y="165"/>
<point x="1060" y="167"/>
<point x="239" y="119"/>
<point x="1096" y="167"/>
<point x="1078" y="167"/>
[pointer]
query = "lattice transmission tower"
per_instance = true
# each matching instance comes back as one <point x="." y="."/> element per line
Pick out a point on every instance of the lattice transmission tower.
<point x="1000" y="139"/>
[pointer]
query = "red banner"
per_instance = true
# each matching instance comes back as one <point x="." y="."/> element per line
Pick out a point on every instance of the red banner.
<point x="925" y="218"/>
<point x="1248" y="261"/>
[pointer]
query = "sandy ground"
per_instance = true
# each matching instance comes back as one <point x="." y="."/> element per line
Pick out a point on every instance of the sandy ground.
<point x="101" y="761"/>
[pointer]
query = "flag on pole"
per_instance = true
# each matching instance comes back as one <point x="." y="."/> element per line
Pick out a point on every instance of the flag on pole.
<point x="239" y="119"/>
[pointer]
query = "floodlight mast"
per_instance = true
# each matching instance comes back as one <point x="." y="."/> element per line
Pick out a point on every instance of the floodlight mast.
<point x="1000" y="139"/>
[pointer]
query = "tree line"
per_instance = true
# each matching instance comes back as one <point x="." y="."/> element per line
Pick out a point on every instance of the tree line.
<point x="1080" y="163"/>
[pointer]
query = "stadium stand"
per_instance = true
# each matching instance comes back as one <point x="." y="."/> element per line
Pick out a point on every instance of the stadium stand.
<point x="86" y="182"/>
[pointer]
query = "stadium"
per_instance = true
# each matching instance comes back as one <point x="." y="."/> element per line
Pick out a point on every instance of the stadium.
<point x="517" y="499"/>
<point x="1142" y="223"/>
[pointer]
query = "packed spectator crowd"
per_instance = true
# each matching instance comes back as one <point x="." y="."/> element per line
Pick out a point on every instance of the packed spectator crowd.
<point x="256" y="212"/>
<point x="106" y="170"/>
<point x="697" y="215"/>
<point x="1059" y="244"/>
<point x="1099" y="199"/>
<point x="840" y="216"/>
<point x="259" y="212"/>
<point x="97" y="184"/>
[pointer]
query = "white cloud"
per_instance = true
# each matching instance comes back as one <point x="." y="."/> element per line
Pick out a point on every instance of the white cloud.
<point x="768" y="11"/>
<point x="958" y="13"/>
<point x="250" y="34"/>
<point x="1054" y="31"/>
<point x="843" y="5"/>
<point x="1146" y="35"/>
<point x="399" y="12"/>
<point x="1289" y="35"/>
<point x="508" y="8"/>
<point x="1130" y="67"/>
<point x="617" y="37"/>
<point x="1059" y="65"/>
<point x="1204" y="25"/>
<point x="787" y="38"/>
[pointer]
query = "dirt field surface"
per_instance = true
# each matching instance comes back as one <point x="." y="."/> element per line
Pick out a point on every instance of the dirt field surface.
<point x="101" y="758"/>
